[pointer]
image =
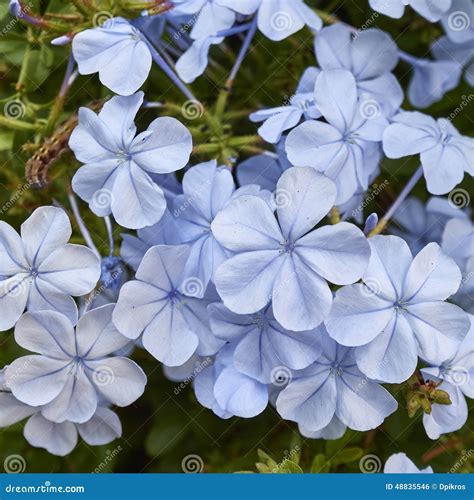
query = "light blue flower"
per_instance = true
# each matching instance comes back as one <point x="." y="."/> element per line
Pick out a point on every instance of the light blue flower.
<point x="207" y="189"/>
<point x="301" y="104"/>
<point x="399" y="463"/>
<point x="431" y="80"/>
<point x="207" y="17"/>
<point x="278" y="261"/>
<point x="40" y="269"/>
<point x="432" y="11"/>
<point x="456" y="375"/>
<point x="445" y="49"/>
<point x="346" y="148"/>
<point x="228" y="392"/>
<point x="458" y="21"/>
<point x="193" y="62"/>
<point x="73" y="370"/>
<point x="278" y="19"/>
<point x="444" y="153"/>
<point x="264" y="169"/>
<point x="58" y="438"/>
<point x="135" y="247"/>
<point x="399" y="313"/>
<point x="370" y="55"/>
<point x="458" y="242"/>
<point x="262" y="345"/>
<point x="118" y="163"/>
<point x="331" y="387"/>
<point x="172" y="325"/>
<point x="421" y="223"/>
<point x="117" y="51"/>
<point x="334" y="430"/>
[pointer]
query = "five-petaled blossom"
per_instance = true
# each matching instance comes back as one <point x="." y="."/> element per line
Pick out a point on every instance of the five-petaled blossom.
<point x="331" y="387"/>
<point x="117" y="51"/>
<point x="456" y="375"/>
<point x="40" y="270"/>
<point x="282" y="260"/>
<point x="262" y="345"/>
<point x="399" y="311"/>
<point x="58" y="438"/>
<point x="370" y="55"/>
<point x="227" y="391"/>
<point x="444" y="153"/>
<point x="399" y="463"/>
<point x="172" y="325"/>
<point x="74" y="369"/>
<point x="116" y="177"/>
<point x="346" y="148"/>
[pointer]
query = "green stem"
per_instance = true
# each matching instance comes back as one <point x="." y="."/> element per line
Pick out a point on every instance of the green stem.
<point x="20" y="84"/>
<point x="18" y="124"/>
<point x="327" y="18"/>
<point x="244" y="140"/>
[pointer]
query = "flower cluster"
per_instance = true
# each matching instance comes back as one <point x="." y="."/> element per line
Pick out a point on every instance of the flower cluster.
<point x="260" y="271"/>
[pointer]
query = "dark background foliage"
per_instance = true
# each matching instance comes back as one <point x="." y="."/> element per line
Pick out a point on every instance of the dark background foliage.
<point x="167" y="423"/>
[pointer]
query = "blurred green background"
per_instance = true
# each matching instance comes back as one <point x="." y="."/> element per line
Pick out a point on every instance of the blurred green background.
<point x="167" y="424"/>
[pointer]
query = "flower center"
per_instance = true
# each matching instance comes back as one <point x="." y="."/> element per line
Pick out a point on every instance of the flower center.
<point x="287" y="247"/>
<point x="336" y="370"/>
<point x="123" y="156"/>
<point x="34" y="272"/>
<point x="260" y="321"/>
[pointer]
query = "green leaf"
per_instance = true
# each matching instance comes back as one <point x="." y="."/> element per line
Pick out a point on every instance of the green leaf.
<point x="263" y="468"/>
<point x="320" y="464"/>
<point x="288" y="467"/>
<point x="295" y="448"/>
<point x="267" y="459"/>
<point x="6" y="140"/>
<point x="348" y="455"/>
<point x="164" y="437"/>
<point x="39" y="67"/>
<point x="12" y="49"/>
